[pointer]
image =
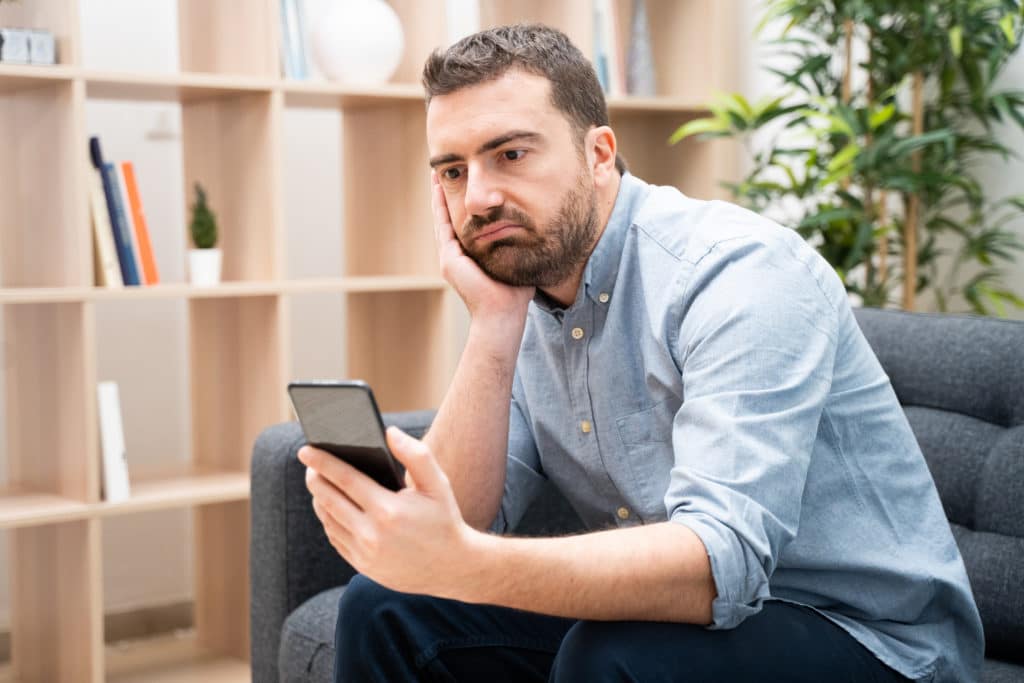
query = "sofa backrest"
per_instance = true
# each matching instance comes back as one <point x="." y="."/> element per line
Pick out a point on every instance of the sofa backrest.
<point x="960" y="380"/>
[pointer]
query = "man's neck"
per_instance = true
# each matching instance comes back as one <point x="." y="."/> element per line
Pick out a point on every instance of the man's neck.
<point x="564" y="293"/>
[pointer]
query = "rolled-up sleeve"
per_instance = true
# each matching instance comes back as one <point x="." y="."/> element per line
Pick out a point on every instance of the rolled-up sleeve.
<point x="757" y="344"/>
<point x="524" y="477"/>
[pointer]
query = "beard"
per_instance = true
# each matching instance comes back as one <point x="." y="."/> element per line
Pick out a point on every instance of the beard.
<point x="538" y="258"/>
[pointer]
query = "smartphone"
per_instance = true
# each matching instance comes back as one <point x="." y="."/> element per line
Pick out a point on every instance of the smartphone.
<point x="341" y="417"/>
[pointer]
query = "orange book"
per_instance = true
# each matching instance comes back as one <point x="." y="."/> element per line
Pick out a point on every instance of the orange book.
<point x="150" y="276"/>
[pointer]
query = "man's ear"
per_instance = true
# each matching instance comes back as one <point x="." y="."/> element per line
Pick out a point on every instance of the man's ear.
<point x="601" y="148"/>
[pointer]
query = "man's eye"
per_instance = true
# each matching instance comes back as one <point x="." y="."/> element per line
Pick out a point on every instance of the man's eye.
<point x="514" y="154"/>
<point x="452" y="173"/>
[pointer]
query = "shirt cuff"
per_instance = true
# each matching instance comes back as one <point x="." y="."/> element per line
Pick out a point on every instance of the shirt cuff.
<point x="741" y="589"/>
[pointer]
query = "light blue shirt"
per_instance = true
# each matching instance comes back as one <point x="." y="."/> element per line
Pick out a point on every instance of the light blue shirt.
<point x="711" y="373"/>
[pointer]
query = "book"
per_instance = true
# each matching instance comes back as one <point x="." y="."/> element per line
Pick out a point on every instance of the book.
<point x="293" y="40"/>
<point x="118" y="221"/>
<point x="129" y="220"/>
<point x="112" y="445"/>
<point x="108" y="270"/>
<point x="607" y="48"/>
<point x="133" y="203"/>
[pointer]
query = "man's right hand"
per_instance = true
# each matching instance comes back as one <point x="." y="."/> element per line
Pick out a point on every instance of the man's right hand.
<point x="483" y="296"/>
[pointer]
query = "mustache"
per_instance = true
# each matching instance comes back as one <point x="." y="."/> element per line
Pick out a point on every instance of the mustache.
<point x="478" y="222"/>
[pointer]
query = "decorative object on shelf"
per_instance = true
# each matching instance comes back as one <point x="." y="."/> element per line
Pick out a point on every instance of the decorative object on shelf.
<point x="640" y="63"/>
<point x="14" y="46"/>
<point x="358" y="42"/>
<point x="42" y="48"/>
<point x="864" y="167"/>
<point x="205" y="259"/>
<point x="115" y="459"/>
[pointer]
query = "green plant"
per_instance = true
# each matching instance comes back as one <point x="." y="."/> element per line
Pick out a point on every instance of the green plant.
<point x="862" y="171"/>
<point x="204" y="222"/>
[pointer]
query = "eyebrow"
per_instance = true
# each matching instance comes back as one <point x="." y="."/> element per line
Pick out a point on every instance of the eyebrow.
<point x="493" y="143"/>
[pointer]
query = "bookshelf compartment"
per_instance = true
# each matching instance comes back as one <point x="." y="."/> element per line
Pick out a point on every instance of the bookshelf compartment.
<point x="238" y="377"/>
<point x="56" y="607"/>
<point x="230" y="148"/>
<point x="60" y="17"/>
<point x="397" y="342"/>
<point x="317" y="343"/>
<point x="216" y="37"/>
<point x="43" y="219"/>
<point x="688" y="62"/>
<point x="694" y="166"/>
<point x="387" y="218"/>
<point x="51" y="430"/>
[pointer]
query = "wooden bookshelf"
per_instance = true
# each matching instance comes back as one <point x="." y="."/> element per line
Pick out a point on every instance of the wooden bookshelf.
<point x="233" y="102"/>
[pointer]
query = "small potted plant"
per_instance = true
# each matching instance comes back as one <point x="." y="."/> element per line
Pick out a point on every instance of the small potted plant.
<point x="205" y="259"/>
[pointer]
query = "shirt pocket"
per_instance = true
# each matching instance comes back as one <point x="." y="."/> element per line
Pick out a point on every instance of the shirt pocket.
<point x="646" y="437"/>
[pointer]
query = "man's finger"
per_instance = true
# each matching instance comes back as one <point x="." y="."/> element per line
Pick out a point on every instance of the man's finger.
<point x="418" y="460"/>
<point x="361" y="489"/>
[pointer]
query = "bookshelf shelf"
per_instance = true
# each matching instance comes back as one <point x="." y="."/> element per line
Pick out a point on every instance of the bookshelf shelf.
<point x="19" y="509"/>
<point x="399" y="325"/>
<point x="225" y="290"/>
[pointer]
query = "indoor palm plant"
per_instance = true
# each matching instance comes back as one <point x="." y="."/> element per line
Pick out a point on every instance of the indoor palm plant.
<point x="874" y="159"/>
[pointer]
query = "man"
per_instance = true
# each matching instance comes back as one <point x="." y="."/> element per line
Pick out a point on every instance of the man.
<point x="690" y="376"/>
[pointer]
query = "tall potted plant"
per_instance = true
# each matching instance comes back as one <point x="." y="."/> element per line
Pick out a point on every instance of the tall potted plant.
<point x="205" y="258"/>
<point x="874" y="162"/>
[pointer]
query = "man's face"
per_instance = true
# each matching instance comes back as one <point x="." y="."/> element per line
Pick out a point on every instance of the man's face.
<point x="520" y="194"/>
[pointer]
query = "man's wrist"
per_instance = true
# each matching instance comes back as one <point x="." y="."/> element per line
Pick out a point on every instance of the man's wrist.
<point x="473" y="580"/>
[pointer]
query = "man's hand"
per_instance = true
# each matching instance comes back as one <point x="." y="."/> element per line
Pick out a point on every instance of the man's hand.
<point x="481" y="294"/>
<point x="414" y="541"/>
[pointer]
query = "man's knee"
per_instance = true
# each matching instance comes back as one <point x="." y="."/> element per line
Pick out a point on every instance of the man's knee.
<point x="593" y="651"/>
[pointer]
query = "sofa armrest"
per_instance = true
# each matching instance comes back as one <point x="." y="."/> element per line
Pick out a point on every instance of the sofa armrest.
<point x="290" y="558"/>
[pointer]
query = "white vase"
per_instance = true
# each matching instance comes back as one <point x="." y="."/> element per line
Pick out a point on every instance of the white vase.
<point x="204" y="267"/>
<point x="358" y="42"/>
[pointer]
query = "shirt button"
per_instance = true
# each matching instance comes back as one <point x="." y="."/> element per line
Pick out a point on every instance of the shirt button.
<point x="623" y="513"/>
<point x="577" y="333"/>
<point x="603" y="297"/>
<point x="585" y="426"/>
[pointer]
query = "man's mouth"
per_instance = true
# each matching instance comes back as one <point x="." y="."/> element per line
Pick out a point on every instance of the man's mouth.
<point x="495" y="231"/>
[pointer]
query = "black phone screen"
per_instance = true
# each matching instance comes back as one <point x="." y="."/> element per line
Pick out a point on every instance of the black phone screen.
<point x="342" y="418"/>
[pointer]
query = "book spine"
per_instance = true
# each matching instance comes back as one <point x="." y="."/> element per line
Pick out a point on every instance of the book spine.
<point x="129" y="219"/>
<point x="119" y="221"/>
<point x="108" y="270"/>
<point x="115" y="462"/>
<point x="150" y="276"/>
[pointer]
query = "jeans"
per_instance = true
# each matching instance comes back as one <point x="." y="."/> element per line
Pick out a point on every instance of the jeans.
<point x="389" y="637"/>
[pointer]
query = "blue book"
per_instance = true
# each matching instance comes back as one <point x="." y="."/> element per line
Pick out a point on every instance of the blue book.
<point x="118" y="217"/>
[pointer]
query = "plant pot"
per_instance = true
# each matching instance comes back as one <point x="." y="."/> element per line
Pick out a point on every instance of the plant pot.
<point x="204" y="267"/>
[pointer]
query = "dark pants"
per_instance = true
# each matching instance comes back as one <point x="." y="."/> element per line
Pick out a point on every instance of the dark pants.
<point x="388" y="637"/>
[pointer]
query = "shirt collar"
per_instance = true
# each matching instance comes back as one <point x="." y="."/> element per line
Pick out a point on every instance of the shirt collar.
<point x="603" y="265"/>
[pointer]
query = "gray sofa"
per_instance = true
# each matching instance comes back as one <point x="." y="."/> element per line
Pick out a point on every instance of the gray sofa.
<point x="960" y="380"/>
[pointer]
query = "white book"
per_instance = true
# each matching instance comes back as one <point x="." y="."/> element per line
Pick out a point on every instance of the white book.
<point x="115" y="460"/>
<point x="462" y="18"/>
<point x="108" y="268"/>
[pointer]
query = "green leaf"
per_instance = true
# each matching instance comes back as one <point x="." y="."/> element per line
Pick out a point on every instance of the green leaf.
<point x="1006" y="23"/>
<point x="956" y="40"/>
<point x="698" y="126"/>
<point x="843" y="158"/>
<point x="881" y="116"/>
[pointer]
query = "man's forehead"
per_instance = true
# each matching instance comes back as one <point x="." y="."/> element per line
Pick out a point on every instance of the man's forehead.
<point x="513" y="100"/>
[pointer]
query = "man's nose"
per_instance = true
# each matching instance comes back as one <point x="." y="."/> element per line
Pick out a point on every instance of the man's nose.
<point x="482" y="192"/>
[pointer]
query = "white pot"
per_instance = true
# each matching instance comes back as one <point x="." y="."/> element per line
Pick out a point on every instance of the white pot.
<point x="204" y="266"/>
<point x="358" y="42"/>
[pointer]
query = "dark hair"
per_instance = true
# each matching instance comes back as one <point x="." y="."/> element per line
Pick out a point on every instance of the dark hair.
<point x="534" y="48"/>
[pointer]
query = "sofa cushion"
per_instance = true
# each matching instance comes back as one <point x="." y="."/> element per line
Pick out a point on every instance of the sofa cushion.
<point x="995" y="671"/>
<point x="307" y="640"/>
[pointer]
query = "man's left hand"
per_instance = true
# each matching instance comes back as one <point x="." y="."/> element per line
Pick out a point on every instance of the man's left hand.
<point x="413" y="540"/>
